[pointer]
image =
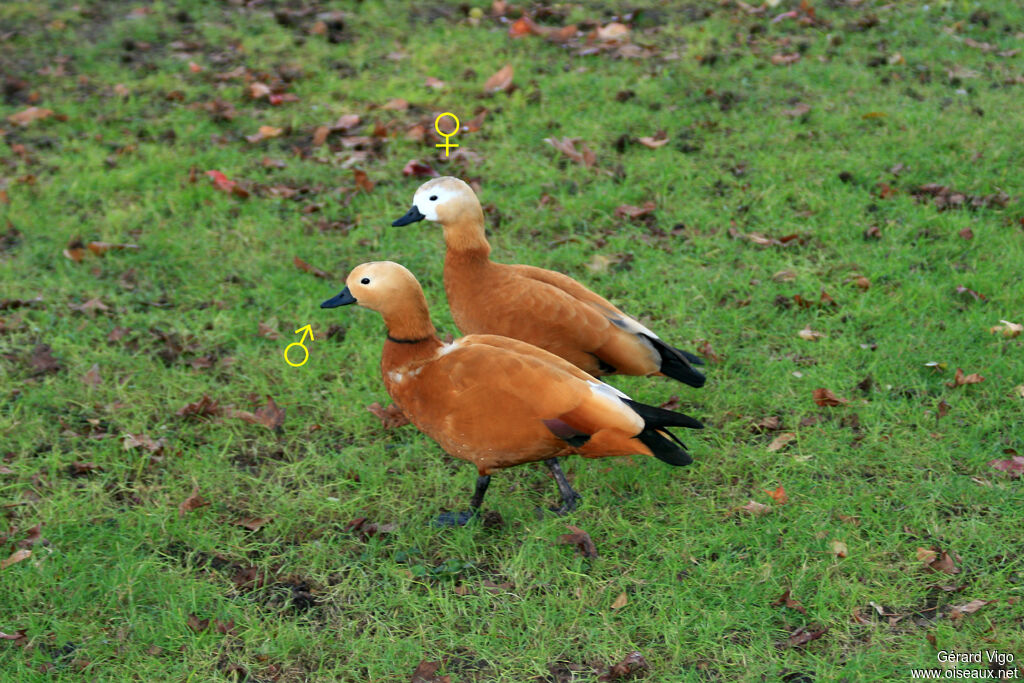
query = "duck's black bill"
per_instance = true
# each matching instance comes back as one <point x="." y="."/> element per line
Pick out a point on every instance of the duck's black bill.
<point x="411" y="217"/>
<point x="343" y="299"/>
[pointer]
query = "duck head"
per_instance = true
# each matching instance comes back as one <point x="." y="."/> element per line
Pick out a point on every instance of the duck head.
<point x="391" y="290"/>
<point x="446" y="200"/>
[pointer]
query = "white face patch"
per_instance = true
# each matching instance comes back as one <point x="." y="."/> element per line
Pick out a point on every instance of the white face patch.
<point x="427" y="200"/>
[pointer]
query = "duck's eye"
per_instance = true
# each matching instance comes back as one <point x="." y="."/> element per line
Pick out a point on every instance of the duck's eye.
<point x="365" y="281"/>
<point x="433" y="197"/>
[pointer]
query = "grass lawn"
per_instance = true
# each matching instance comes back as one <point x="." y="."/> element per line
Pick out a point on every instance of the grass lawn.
<point x="825" y="198"/>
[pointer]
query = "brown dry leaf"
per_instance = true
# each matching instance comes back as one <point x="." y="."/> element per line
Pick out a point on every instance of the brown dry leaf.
<point x="756" y="509"/>
<point x="805" y="634"/>
<point x="363" y="181"/>
<point x="251" y="523"/>
<point x="612" y="31"/>
<point x="704" y="349"/>
<point x="567" y="146"/>
<point x="839" y="549"/>
<point x="101" y="248"/>
<point x="142" y="441"/>
<point x="659" y="139"/>
<point x="797" y="111"/>
<point x="973" y="606"/>
<point x="810" y="335"/>
<point x="960" y="379"/>
<point x="204" y="407"/>
<point x="15" y="557"/>
<point x="937" y="560"/>
<point x="270" y="415"/>
<point x="264" y="133"/>
<point x="320" y="135"/>
<point x="784" y="276"/>
<point x="778" y="495"/>
<point x="42" y="360"/>
<point x="434" y="83"/>
<point x="426" y="672"/>
<point x="825" y="398"/>
<point x="196" y="624"/>
<point x="396" y="104"/>
<point x="75" y="250"/>
<point x="192" y="502"/>
<point x="501" y="81"/>
<point x="620" y="601"/>
<point x="1007" y="329"/>
<point x="306" y="268"/>
<point x="391" y="417"/>
<point x="788" y="601"/>
<point x="579" y="538"/>
<point x="781" y="441"/>
<point x="862" y="282"/>
<point x="90" y="307"/>
<point x="772" y="423"/>
<point x="258" y="89"/>
<point x="634" y="212"/>
<point x="267" y="330"/>
<point x="27" y="116"/>
<point x="1013" y="466"/>
<point x="92" y="377"/>
<point x="785" y="59"/>
<point x="634" y="666"/>
<point x="418" y="169"/>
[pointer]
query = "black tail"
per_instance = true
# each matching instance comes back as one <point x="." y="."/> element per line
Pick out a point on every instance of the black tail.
<point x="663" y="444"/>
<point x="677" y="364"/>
<point x="692" y="357"/>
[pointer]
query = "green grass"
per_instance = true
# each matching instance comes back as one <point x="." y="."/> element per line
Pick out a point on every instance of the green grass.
<point x="110" y="592"/>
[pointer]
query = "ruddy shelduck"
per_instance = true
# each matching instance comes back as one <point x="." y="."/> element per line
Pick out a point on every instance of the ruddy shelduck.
<point x="538" y="306"/>
<point x="498" y="402"/>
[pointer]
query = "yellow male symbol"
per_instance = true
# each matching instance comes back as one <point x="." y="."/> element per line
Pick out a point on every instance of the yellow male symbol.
<point x="303" y="330"/>
<point x="447" y="145"/>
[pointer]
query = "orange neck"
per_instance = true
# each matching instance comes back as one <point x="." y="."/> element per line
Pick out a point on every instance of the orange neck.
<point x="466" y="235"/>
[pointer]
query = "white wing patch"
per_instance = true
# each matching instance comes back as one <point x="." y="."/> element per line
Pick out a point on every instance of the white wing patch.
<point x="448" y="348"/>
<point x="605" y="390"/>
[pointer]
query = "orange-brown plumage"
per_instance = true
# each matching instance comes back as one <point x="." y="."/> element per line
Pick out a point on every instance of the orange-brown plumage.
<point x="493" y="401"/>
<point x="538" y="306"/>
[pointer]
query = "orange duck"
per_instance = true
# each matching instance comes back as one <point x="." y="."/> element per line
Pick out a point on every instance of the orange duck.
<point x="498" y="402"/>
<point x="538" y="306"/>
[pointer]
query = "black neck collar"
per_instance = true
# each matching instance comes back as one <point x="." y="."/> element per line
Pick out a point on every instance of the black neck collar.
<point x="407" y="341"/>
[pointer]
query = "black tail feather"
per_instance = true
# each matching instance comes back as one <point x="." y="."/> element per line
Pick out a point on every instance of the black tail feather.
<point x="677" y="364"/>
<point x="663" y="448"/>
<point x="692" y="357"/>
<point x="655" y="418"/>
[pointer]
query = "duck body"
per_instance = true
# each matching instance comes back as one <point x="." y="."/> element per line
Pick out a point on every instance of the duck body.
<point x="541" y="307"/>
<point x="498" y="402"/>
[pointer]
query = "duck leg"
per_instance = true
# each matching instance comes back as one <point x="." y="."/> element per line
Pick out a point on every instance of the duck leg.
<point x="569" y="497"/>
<point x="446" y="519"/>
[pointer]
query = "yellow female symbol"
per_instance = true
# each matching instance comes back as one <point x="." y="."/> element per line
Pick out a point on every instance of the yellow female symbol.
<point x="304" y="330"/>
<point x="447" y="145"/>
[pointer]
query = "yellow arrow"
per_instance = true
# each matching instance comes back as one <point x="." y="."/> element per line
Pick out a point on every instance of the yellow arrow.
<point x="304" y="330"/>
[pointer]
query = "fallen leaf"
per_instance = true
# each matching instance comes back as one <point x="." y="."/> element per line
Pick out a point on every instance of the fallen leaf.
<point x="144" y="442"/>
<point x="90" y="307"/>
<point x="196" y="624"/>
<point x="756" y="509"/>
<point x="937" y="560"/>
<point x="960" y="379"/>
<point x="660" y="139"/>
<point x="501" y="81"/>
<point x="101" y="248"/>
<point x="810" y="335"/>
<point x="967" y="294"/>
<point x="839" y="549"/>
<point x="222" y="183"/>
<point x="251" y="523"/>
<point x="772" y="423"/>
<point x="192" y="502"/>
<point x="1007" y="329"/>
<point x="306" y="268"/>
<point x="363" y="181"/>
<point x="434" y="83"/>
<point x="82" y="469"/>
<point x="42" y="360"/>
<point x="784" y="276"/>
<point x="805" y="634"/>
<point x="418" y="169"/>
<point x="204" y="407"/>
<point x="620" y="601"/>
<point x="579" y="538"/>
<point x="825" y="398"/>
<point x="785" y="59"/>
<point x="15" y="557"/>
<point x="634" y="212"/>
<point x="267" y="330"/>
<point x="567" y="146"/>
<point x="391" y="417"/>
<point x="27" y="116"/>
<point x="634" y="666"/>
<point x="92" y="376"/>
<point x="270" y="416"/>
<point x="426" y="672"/>
<point x="704" y="349"/>
<point x="264" y="133"/>
<point x="973" y="606"/>
<point x="778" y="495"/>
<point x="396" y="104"/>
<point x="1013" y="466"/>
<point x="789" y="602"/>
<point x="781" y="441"/>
